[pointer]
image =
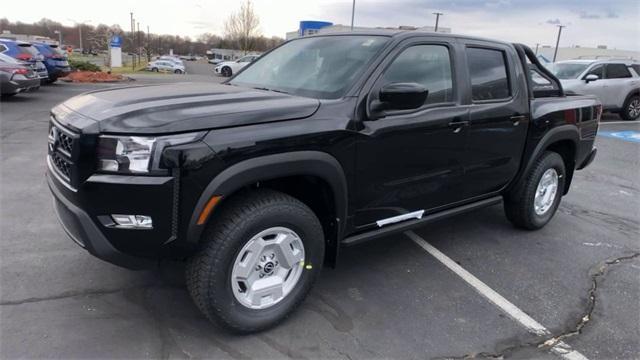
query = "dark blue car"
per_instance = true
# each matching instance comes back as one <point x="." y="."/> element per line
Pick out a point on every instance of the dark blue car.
<point x="55" y="60"/>
<point x="26" y="52"/>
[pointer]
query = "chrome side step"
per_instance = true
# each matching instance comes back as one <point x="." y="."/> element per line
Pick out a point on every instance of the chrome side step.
<point x="399" y="218"/>
<point x="395" y="227"/>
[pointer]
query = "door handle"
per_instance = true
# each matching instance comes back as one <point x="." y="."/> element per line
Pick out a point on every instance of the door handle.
<point x="516" y="119"/>
<point x="458" y="125"/>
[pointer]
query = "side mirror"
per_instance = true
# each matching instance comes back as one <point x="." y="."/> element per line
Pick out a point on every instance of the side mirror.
<point x="402" y="96"/>
<point x="591" y="77"/>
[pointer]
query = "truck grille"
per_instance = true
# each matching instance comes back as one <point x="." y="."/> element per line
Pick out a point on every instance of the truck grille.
<point x="62" y="157"/>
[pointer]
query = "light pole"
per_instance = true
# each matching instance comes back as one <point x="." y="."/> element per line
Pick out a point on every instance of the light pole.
<point x="437" y="14"/>
<point x="537" y="44"/>
<point x="79" y="25"/>
<point x="353" y="13"/>
<point x="555" y="52"/>
<point x="59" y="37"/>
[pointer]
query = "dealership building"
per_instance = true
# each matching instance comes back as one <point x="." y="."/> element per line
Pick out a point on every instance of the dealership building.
<point x="309" y="27"/>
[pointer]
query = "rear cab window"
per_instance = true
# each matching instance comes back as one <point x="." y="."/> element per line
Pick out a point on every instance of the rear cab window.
<point x="489" y="74"/>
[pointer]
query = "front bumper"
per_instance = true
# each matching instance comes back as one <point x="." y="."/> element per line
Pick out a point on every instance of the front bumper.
<point x="84" y="213"/>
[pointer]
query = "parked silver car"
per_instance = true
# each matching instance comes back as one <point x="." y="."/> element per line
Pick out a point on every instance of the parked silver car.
<point x="166" y="66"/>
<point x="615" y="82"/>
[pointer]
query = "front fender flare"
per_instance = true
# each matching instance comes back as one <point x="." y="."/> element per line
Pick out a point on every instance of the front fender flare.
<point x="251" y="171"/>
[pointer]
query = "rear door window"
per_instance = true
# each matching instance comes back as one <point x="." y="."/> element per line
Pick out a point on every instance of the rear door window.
<point x="617" y="71"/>
<point x="488" y="72"/>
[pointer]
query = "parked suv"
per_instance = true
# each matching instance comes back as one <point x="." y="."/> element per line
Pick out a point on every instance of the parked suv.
<point x="55" y="61"/>
<point x="326" y="141"/>
<point x="615" y="82"/>
<point x="26" y="52"/>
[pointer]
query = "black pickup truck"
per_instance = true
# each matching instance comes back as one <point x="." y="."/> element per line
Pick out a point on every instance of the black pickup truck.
<point x="324" y="142"/>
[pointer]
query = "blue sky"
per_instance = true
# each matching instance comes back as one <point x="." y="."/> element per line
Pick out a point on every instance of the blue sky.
<point x="615" y="23"/>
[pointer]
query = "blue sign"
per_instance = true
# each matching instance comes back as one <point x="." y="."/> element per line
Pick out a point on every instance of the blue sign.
<point x="116" y="41"/>
<point x="628" y="135"/>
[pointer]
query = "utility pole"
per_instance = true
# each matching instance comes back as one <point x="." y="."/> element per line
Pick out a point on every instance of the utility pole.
<point x="437" y="14"/>
<point x="555" y="52"/>
<point x="537" y="44"/>
<point x="133" y="56"/>
<point x="139" y="47"/>
<point x="353" y="13"/>
<point x="148" y="45"/>
<point x="80" y="34"/>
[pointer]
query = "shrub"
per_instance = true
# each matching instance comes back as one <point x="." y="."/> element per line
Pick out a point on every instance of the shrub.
<point x="83" y="65"/>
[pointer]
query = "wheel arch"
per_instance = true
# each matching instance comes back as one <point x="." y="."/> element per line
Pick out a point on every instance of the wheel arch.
<point x="563" y="140"/>
<point x="291" y="173"/>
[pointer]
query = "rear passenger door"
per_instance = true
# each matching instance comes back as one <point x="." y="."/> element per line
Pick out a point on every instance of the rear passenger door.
<point x="498" y="117"/>
<point x="618" y="81"/>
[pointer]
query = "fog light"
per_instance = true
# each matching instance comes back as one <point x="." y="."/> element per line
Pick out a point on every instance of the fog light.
<point x="133" y="221"/>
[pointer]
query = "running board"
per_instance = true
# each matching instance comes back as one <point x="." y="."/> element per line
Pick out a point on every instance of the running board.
<point x="414" y="223"/>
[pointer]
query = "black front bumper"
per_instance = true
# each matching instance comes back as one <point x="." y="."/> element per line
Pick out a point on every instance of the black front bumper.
<point x="82" y="229"/>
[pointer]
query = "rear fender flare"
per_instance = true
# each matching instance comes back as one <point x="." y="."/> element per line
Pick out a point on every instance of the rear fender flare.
<point x="248" y="172"/>
<point x="559" y="133"/>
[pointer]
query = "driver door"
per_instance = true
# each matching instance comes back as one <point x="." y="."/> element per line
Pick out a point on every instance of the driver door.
<point x="411" y="161"/>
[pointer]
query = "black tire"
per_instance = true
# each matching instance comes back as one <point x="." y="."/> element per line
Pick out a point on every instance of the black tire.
<point x="631" y="108"/>
<point x="208" y="273"/>
<point x="226" y="71"/>
<point x="519" y="204"/>
<point x="154" y="70"/>
<point x="177" y="71"/>
<point x="4" y="96"/>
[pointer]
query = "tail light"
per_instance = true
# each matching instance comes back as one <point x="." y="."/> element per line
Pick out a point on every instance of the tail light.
<point x="598" y="112"/>
<point x="24" y="57"/>
<point x="19" y="71"/>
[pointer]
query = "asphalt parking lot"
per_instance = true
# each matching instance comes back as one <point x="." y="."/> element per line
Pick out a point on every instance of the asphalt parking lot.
<point x="578" y="277"/>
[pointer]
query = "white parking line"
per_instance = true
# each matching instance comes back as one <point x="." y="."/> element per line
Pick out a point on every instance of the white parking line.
<point x="560" y="348"/>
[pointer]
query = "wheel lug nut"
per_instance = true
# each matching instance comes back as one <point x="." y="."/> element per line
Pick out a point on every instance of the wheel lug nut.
<point x="261" y="276"/>
<point x="275" y="263"/>
<point x="273" y="255"/>
<point x="263" y="258"/>
<point x="258" y="268"/>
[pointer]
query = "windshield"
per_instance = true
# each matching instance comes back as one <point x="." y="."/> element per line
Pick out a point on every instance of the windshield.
<point x="567" y="71"/>
<point x="316" y="67"/>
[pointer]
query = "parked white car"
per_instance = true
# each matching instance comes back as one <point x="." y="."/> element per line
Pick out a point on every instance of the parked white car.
<point x="228" y="68"/>
<point x="615" y="82"/>
<point x="166" y="66"/>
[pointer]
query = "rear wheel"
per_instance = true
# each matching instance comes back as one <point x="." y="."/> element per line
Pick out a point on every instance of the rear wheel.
<point x="631" y="109"/>
<point x="226" y="71"/>
<point x="259" y="258"/>
<point x="533" y="205"/>
<point x="154" y="69"/>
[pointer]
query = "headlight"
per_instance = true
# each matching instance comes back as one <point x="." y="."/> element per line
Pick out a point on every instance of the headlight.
<point x="137" y="154"/>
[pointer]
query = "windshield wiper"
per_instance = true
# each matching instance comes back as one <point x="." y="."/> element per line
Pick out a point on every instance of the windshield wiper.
<point x="267" y="89"/>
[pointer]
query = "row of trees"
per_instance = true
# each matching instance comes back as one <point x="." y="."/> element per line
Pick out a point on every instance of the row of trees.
<point x="241" y="33"/>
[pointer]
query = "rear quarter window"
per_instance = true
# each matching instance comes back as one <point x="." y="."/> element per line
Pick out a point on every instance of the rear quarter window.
<point x="488" y="72"/>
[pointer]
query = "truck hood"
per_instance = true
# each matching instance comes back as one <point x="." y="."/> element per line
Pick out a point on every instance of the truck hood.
<point x="172" y="108"/>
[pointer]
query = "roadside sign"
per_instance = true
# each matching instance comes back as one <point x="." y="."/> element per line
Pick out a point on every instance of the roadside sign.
<point x="116" y="41"/>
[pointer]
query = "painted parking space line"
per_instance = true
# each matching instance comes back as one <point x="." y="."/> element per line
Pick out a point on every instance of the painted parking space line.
<point x="560" y="348"/>
<point x="625" y="135"/>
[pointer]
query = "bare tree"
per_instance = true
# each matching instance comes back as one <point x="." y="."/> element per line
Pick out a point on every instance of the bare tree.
<point x="243" y="27"/>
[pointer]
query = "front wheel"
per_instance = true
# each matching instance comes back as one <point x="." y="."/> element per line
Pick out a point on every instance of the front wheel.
<point x="177" y="71"/>
<point x="631" y="108"/>
<point x="533" y="205"/>
<point x="259" y="258"/>
<point x="226" y="71"/>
